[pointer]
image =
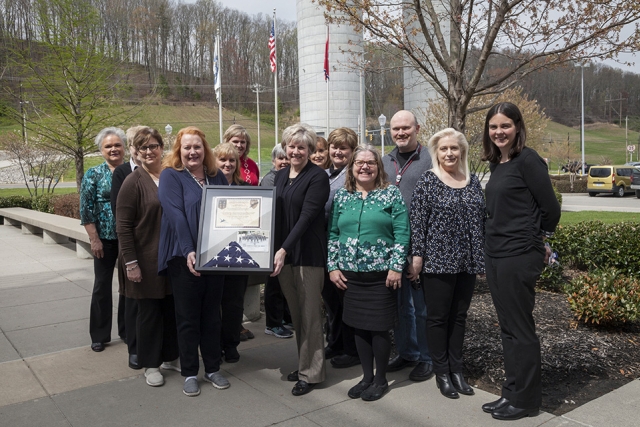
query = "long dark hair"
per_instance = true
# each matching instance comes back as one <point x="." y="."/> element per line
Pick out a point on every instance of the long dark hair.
<point x="491" y="152"/>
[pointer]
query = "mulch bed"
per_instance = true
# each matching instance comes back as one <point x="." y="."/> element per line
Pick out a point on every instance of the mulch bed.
<point x="579" y="362"/>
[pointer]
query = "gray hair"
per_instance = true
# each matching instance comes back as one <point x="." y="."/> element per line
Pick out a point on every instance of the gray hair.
<point x="300" y="132"/>
<point x="277" y="152"/>
<point x="432" y="146"/>
<point x="110" y="131"/>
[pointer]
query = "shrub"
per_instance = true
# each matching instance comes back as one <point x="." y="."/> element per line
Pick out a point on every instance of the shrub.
<point x="15" y="202"/>
<point x="593" y="245"/>
<point x="67" y="205"/>
<point x="604" y="297"/>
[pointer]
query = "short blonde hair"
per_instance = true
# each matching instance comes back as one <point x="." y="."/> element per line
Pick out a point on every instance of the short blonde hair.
<point x="463" y="164"/>
<point x="237" y="130"/>
<point x="174" y="159"/>
<point x="225" y="150"/>
<point x="301" y="132"/>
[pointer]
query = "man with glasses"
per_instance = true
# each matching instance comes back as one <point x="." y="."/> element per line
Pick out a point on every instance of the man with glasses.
<point x="404" y="165"/>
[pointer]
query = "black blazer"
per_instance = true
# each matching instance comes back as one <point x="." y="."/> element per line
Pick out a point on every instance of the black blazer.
<point x="119" y="175"/>
<point x="300" y="226"/>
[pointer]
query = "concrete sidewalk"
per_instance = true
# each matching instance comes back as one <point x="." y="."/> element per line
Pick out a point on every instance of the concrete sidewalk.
<point x="50" y="377"/>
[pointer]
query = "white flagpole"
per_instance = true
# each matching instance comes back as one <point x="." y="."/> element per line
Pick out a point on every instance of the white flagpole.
<point x="326" y="135"/>
<point x="219" y="80"/>
<point x="275" y="75"/>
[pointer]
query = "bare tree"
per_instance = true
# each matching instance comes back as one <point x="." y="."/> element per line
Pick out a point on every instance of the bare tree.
<point x="451" y="42"/>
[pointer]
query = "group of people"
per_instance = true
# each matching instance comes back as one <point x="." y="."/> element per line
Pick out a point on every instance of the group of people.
<point x="390" y="242"/>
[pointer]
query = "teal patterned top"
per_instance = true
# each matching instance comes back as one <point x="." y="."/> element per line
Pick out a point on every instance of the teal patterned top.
<point x="369" y="234"/>
<point x="95" y="201"/>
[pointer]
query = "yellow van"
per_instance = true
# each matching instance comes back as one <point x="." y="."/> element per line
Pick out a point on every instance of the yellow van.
<point x="609" y="179"/>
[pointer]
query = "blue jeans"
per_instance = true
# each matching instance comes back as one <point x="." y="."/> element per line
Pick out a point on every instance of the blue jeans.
<point x="411" y="332"/>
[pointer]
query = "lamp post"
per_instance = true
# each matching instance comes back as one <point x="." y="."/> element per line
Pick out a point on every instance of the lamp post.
<point x="168" y="129"/>
<point x="382" y="120"/>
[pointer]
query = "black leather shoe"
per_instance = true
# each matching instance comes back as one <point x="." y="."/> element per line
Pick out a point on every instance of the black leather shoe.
<point x="422" y="372"/>
<point x="330" y="353"/>
<point x="133" y="362"/>
<point x="446" y="388"/>
<point x="510" y="413"/>
<point x="495" y="405"/>
<point x="457" y="379"/>
<point x="398" y="363"/>
<point x="97" y="347"/>
<point x="345" y="361"/>
<point x="302" y="388"/>
<point x="355" y="392"/>
<point x="374" y="392"/>
<point x="293" y="376"/>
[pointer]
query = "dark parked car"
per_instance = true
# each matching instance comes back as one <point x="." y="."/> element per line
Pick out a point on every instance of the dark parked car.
<point x="635" y="181"/>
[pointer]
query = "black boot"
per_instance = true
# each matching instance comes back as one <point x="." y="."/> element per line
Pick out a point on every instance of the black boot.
<point x="457" y="379"/>
<point x="446" y="387"/>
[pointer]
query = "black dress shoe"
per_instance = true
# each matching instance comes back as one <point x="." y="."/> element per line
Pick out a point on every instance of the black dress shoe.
<point x="330" y="353"/>
<point x="355" y="392"/>
<point x="345" y="361"/>
<point x="510" y="413"/>
<point x="422" y="372"/>
<point x="495" y="405"/>
<point x="133" y="362"/>
<point x="398" y="363"/>
<point x="302" y="388"/>
<point x="446" y="388"/>
<point x="293" y="376"/>
<point x="457" y="379"/>
<point x="97" y="347"/>
<point x="374" y="392"/>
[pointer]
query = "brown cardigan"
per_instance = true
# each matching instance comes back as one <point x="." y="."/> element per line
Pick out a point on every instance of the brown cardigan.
<point x="138" y="214"/>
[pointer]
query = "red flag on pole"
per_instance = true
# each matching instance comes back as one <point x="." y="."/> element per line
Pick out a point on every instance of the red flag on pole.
<point x="326" y="57"/>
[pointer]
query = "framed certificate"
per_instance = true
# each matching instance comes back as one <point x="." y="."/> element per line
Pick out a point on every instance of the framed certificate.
<point x="236" y="230"/>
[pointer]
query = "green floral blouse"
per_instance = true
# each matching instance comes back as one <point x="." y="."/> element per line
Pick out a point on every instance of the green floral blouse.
<point x="369" y="234"/>
<point x="95" y="201"/>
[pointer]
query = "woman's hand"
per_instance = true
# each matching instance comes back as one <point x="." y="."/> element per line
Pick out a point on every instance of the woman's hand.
<point x="414" y="269"/>
<point x="278" y="261"/>
<point x="338" y="279"/>
<point x="133" y="272"/>
<point x="191" y="262"/>
<point x="394" y="279"/>
<point x="96" y="247"/>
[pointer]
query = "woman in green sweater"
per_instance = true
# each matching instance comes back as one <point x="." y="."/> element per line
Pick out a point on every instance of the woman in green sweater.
<point x="368" y="244"/>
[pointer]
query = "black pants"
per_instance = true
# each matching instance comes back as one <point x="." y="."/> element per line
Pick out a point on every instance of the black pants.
<point x="276" y="309"/>
<point x="447" y="297"/>
<point x="156" y="331"/>
<point x="340" y="336"/>
<point x="101" y="313"/>
<point x="232" y="311"/>
<point x="512" y="283"/>
<point x="197" y="304"/>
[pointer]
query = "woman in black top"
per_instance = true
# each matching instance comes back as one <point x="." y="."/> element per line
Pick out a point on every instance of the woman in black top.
<point x="447" y="248"/>
<point x="522" y="211"/>
<point x="302" y="190"/>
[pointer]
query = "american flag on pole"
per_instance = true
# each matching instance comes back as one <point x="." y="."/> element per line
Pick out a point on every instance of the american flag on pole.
<point x="272" y="48"/>
<point x="326" y="57"/>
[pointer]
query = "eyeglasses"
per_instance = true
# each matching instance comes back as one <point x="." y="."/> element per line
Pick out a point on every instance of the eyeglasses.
<point x="370" y="163"/>
<point x="150" y="147"/>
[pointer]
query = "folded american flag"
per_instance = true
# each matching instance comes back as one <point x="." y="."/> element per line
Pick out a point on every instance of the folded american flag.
<point x="232" y="256"/>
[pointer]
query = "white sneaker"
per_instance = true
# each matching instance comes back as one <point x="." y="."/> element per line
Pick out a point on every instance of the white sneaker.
<point x="173" y="365"/>
<point x="154" y="377"/>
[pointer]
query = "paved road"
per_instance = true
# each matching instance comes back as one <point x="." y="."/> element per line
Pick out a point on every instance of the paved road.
<point x="574" y="202"/>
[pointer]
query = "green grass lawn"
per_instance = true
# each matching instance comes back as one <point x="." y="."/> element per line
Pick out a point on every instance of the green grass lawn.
<point x="606" y="217"/>
<point x="601" y="141"/>
<point x="6" y="192"/>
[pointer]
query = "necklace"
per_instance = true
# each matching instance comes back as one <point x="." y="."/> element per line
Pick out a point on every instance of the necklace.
<point x="202" y="181"/>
